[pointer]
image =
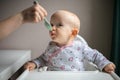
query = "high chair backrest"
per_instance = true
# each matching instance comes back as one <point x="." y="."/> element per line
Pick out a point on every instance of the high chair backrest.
<point x="78" y="37"/>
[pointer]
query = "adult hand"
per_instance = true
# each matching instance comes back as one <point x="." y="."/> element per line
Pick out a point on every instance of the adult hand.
<point x="36" y="13"/>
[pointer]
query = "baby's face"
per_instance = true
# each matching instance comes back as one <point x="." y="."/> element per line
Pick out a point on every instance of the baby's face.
<point x="61" y="28"/>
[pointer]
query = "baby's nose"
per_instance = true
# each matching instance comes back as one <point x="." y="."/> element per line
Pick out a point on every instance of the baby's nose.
<point x="54" y="28"/>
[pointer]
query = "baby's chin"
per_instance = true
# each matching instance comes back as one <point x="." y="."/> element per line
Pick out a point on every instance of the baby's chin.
<point x="56" y="41"/>
<point x="59" y="43"/>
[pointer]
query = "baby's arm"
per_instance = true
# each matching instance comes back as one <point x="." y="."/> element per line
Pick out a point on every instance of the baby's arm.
<point x="39" y="61"/>
<point x="96" y="57"/>
<point x="36" y="63"/>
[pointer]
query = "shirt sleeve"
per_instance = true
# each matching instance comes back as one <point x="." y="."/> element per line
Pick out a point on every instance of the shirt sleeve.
<point x="39" y="61"/>
<point x="95" y="56"/>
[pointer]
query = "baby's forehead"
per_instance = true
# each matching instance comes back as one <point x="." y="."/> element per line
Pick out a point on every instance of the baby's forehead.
<point x="64" y="15"/>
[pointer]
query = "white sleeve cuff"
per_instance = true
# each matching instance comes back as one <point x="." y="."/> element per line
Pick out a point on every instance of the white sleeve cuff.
<point x="37" y="62"/>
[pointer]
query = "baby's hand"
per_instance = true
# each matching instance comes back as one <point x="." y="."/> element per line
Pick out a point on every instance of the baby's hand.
<point x="109" y="68"/>
<point x="30" y="65"/>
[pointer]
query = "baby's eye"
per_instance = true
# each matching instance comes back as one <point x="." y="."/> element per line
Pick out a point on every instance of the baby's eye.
<point x="51" y="24"/>
<point x="59" y="25"/>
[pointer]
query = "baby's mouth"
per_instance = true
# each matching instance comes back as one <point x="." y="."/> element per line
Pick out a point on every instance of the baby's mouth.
<point x="53" y="35"/>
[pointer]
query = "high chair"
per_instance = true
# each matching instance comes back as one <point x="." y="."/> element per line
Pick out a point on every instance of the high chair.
<point x="91" y="73"/>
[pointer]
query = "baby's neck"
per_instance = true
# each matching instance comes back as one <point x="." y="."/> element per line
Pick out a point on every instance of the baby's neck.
<point x="69" y="42"/>
<point x="61" y="45"/>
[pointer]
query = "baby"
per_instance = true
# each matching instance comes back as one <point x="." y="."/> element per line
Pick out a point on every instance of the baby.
<point x="64" y="52"/>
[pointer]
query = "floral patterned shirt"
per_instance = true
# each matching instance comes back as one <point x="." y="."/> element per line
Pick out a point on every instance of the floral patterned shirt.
<point x="70" y="57"/>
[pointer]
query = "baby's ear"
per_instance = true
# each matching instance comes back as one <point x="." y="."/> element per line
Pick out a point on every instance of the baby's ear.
<point x="75" y="31"/>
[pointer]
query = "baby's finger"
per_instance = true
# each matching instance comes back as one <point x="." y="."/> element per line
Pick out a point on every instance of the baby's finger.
<point x="31" y="68"/>
<point x="114" y="66"/>
<point x="110" y="70"/>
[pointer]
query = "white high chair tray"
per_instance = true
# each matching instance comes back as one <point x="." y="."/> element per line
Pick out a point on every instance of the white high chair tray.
<point x="66" y="75"/>
<point x="11" y="61"/>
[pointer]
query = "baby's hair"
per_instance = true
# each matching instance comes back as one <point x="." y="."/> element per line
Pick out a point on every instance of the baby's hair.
<point x="76" y="21"/>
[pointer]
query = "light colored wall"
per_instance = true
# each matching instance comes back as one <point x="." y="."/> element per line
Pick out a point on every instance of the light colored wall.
<point x="96" y="24"/>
